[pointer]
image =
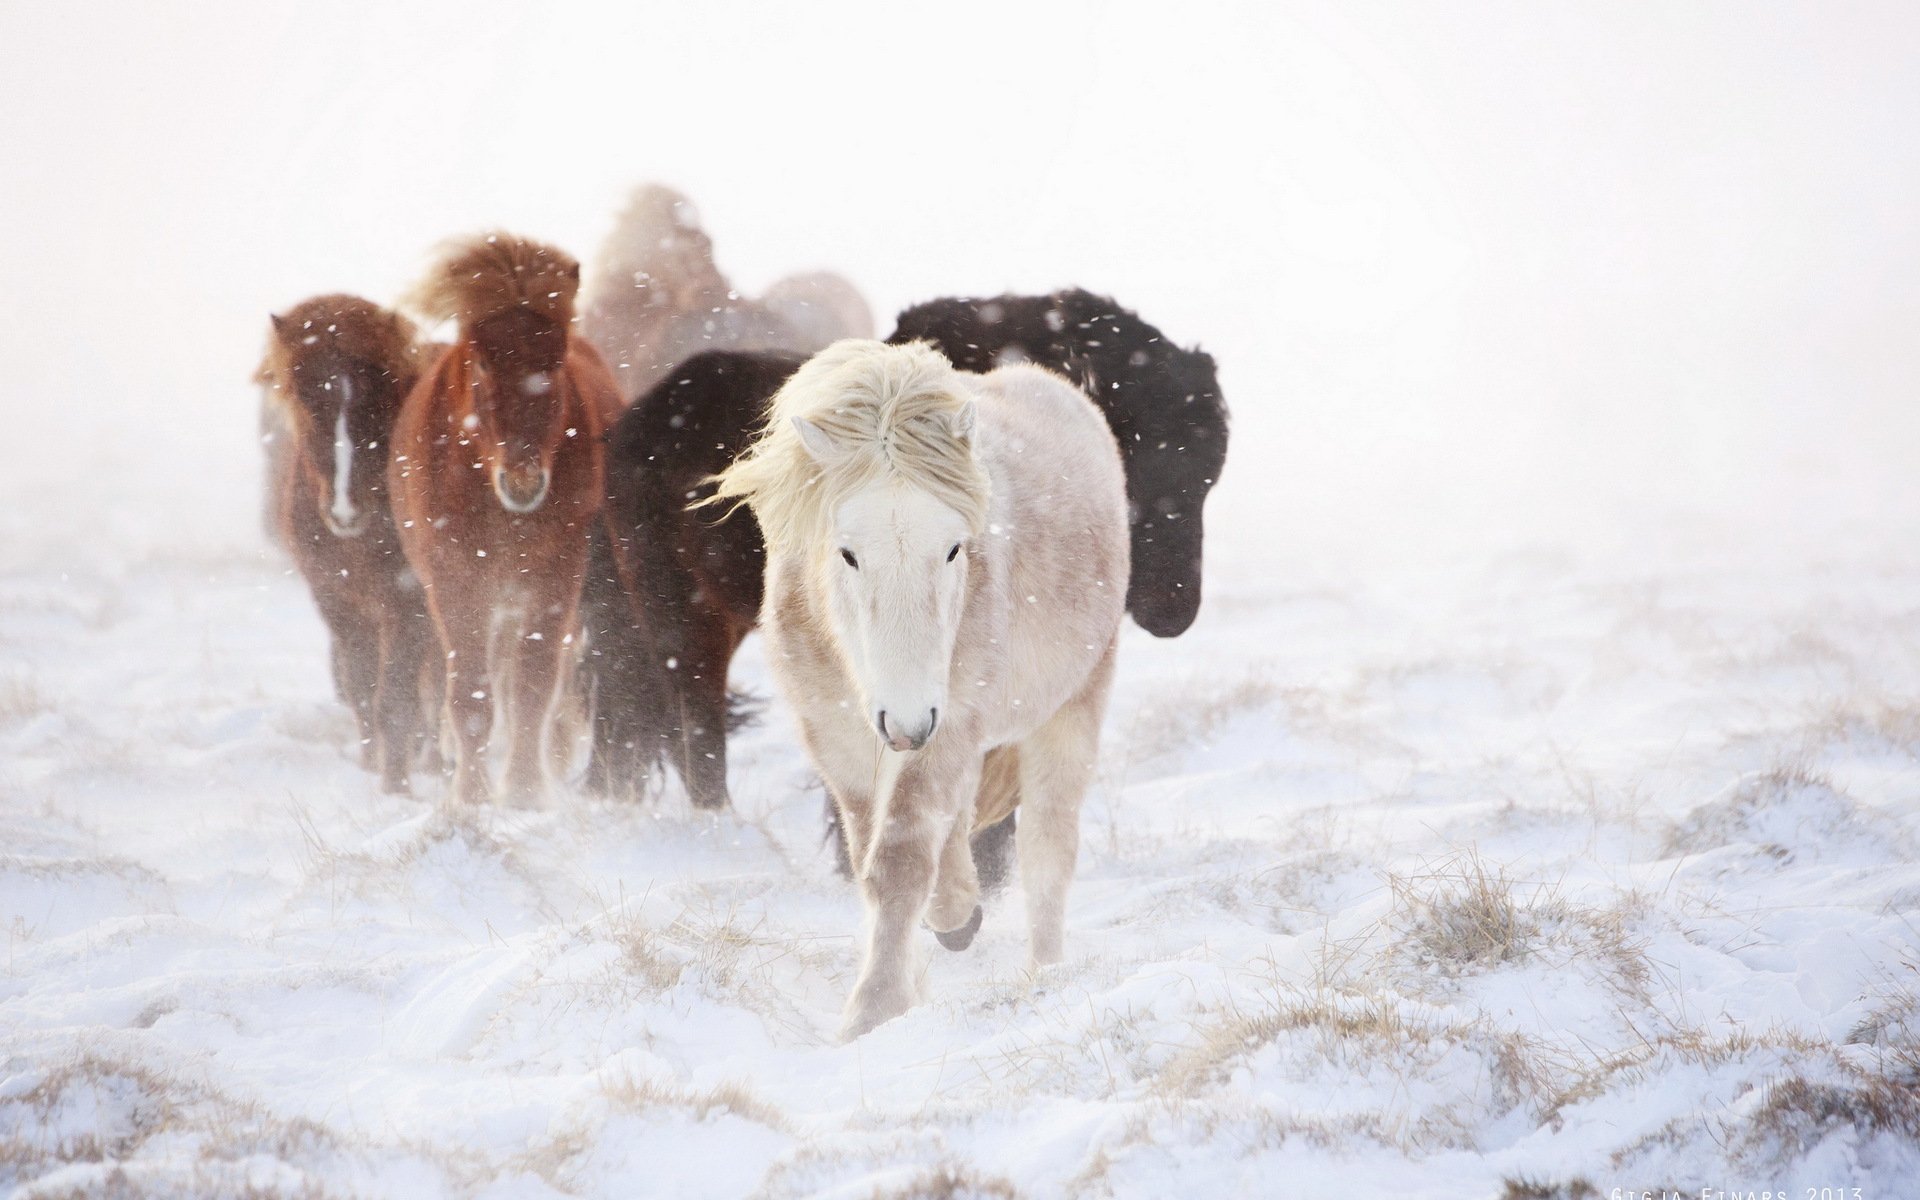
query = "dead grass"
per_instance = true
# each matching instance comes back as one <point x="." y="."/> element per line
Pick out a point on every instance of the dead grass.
<point x="1577" y="1188"/>
<point x="1195" y="715"/>
<point x="1740" y="815"/>
<point x="1367" y="1032"/>
<point x="200" y="1182"/>
<point x="94" y="1110"/>
<point x="554" y="1159"/>
<point x="1692" y="1047"/>
<point x="1462" y="914"/>
<point x="731" y="1098"/>
<point x="948" y="1181"/>
<point x="1328" y="1017"/>
<point x="22" y="699"/>
<point x="1798" y="1114"/>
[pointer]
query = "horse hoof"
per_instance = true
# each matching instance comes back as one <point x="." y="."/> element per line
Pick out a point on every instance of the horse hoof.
<point x="961" y="938"/>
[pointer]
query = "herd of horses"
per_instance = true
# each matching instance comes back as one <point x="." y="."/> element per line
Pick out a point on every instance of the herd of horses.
<point x="568" y="517"/>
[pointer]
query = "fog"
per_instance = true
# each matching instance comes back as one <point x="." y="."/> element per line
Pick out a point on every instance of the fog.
<point x="1474" y="275"/>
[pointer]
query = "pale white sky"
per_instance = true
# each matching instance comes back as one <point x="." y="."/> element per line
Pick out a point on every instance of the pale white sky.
<point x="1460" y="263"/>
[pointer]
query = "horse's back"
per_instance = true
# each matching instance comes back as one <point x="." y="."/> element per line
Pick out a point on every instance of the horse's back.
<point x="1060" y="499"/>
<point x="1053" y="427"/>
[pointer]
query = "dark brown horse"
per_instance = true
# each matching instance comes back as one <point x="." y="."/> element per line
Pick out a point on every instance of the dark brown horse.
<point x="670" y="592"/>
<point x="497" y="478"/>
<point x="335" y="373"/>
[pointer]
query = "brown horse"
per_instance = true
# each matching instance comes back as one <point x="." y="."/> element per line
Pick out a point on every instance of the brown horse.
<point x="656" y="297"/>
<point x="497" y="478"/>
<point x="335" y="373"/>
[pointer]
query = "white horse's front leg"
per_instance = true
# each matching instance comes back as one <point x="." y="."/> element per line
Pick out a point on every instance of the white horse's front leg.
<point x="955" y="912"/>
<point x="896" y="881"/>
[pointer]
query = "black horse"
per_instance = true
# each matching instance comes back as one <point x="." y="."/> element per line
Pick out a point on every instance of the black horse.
<point x="1162" y="402"/>
<point x="671" y="593"/>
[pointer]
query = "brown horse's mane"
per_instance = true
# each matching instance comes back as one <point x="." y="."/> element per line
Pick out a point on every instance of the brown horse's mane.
<point x="492" y="273"/>
<point x="355" y="328"/>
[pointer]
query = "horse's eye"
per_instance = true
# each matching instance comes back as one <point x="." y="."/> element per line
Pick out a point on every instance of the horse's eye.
<point x="953" y="553"/>
<point x="851" y="560"/>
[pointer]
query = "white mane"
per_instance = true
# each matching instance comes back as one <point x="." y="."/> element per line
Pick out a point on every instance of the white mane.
<point x="887" y="410"/>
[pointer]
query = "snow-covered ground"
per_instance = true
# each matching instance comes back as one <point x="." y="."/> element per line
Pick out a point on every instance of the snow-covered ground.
<point x="1536" y="800"/>
<point x="1524" y="870"/>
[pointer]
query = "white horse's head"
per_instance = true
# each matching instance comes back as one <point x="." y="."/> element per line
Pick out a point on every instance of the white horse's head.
<point x="896" y="581"/>
<point x="867" y="473"/>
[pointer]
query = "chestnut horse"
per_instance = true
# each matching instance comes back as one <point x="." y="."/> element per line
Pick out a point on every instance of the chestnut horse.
<point x="335" y="373"/>
<point x="497" y="478"/>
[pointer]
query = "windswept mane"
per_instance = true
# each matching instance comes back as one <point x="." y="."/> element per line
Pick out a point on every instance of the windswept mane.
<point x="348" y="325"/>
<point x="898" y="411"/>
<point x="492" y="273"/>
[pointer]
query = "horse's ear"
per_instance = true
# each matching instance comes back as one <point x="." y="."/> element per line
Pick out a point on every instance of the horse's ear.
<point x="279" y="325"/>
<point x="963" y="421"/>
<point x="819" y="446"/>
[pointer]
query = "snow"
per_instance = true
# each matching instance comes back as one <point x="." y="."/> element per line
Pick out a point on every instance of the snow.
<point x="1535" y="799"/>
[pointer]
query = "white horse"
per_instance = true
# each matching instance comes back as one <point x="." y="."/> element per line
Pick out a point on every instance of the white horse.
<point x="946" y="573"/>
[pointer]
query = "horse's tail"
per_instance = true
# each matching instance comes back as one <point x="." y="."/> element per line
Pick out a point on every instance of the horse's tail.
<point x="492" y="273"/>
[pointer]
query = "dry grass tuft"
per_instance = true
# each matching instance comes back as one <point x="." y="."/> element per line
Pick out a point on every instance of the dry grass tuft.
<point x="1464" y="914"/>
<point x="126" y="1104"/>
<point x="730" y="1098"/>
<point x="1743" y="814"/>
<point x="21" y="699"/>
<point x="1798" y="1114"/>
<point x="1577" y="1188"/>
<point x="1331" y="1018"/>
<point x="202" y="1182"/>
<point x="948" y="1181"/>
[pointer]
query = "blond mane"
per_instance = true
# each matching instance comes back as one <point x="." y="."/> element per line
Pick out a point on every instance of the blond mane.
<point x="891" y="411"/>
<point x="491" y="273"/>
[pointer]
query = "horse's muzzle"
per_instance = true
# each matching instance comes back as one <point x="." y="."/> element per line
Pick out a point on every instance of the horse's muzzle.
<point x="348" y="526"/>
<point x="902" y="738"/>
<point x="522" y="491"/>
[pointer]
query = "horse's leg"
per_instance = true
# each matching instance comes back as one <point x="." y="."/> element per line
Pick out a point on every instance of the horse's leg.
<point x="465" y="623"/>
<point x="999" y="797"/>
<point x="356" y="669"/>
<point x="915" y="816"/>
<point x="955" y="912"/>
<point x="573" y="715"/>
<point x="404" y="647"/>
<point x="1056" y="764"/>
<point x="534" y="690"/>
<point x="698" y="685"/>
<point x="431" y="688"/>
